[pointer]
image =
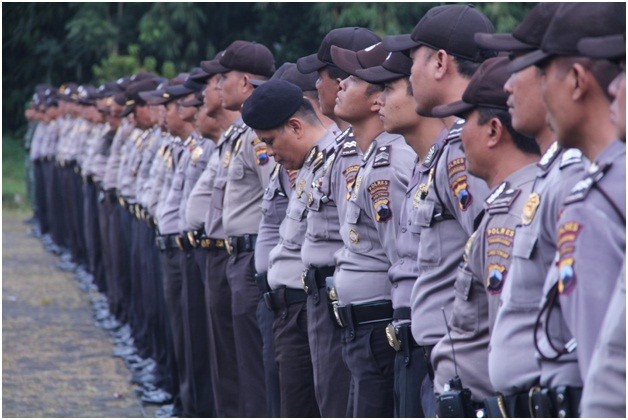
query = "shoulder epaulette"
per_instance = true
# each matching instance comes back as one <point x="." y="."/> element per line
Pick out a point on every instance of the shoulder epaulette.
<point x="570" y="156"/>
<point x="341" y="136"/>
<point x="431" y="154"/>
<point x="310" y="156"/>
<point x="549" y="156"/>
<point x="501" y="198"/>
<point x="582" y="188"/>
<point x="275" y="171"/>
<point x="369" y="152"/>
<point x="382" y="157"/>
<point x="456" y="129"/>
<point x="349" y="148"/>
<point x="318" y="161"/>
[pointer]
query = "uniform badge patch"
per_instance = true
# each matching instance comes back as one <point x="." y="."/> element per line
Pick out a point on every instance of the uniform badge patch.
<point x="529" y="208"/>
<point x="456" y="166"/>
<point x="460" y="187"/>
<point x="196" y="154"/>
<point x="495" y="279"/>
<point x="261" y="152"/>
<point x="349" y="173"/>
<point x="300" y="188"/>
<point x="500" y="236"/>
<point x="567" y="234"/>
<point x="379" y="191"/>
<point x="354" y="236"/>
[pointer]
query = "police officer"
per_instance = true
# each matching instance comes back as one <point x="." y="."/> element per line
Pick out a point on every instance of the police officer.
<point x="504" y="159"/>
<point x="588" y="262"/>
<point x="604" y="393"/>
<point x="326" y="206"/>
<point x="238" y="188"/>
<point x="535" y="236"/>
<point x="397" y="114"/>
<point x="369" y="230"/>
<point x="287" y="123"/>
<point x="217" y="292"/>
<point x="453" y="198"/>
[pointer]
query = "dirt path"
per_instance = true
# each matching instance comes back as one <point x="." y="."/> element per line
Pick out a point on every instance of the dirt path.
<point x="55" y="361"/>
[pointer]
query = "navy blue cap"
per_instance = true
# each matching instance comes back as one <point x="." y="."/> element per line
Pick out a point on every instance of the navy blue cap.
<point x="271" y="104"/>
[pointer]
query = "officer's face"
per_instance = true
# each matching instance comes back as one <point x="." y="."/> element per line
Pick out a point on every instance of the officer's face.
<point x="618" y="108"/>
<point x="284" y="145"/>
<point x="353" y="103"/>
<point x="187" y="113"/>
<point x="142" y="116"/>
<point x="327" y="91"/>
<point x="211" y="95"/>
<point x="473" y="138"/>
<point x="556" y="86"/>
<point x="525" y="101"/>
<point x="421" y="80"/>
<point x="173" y="121"/>
<point x="206" y="125"/>
<point x="232" y="85"/>
<point x="397" y="107"/>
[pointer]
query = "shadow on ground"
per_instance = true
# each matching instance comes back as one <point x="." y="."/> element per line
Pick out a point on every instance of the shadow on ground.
<point x="55" y="361"/>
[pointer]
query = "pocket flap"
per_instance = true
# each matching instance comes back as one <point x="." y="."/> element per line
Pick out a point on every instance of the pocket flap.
<point x="524" y="244"/>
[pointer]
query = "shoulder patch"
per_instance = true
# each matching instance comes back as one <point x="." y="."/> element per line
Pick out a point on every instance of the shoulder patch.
<point x="261" y="153"/>
<point x="382" y="157"/>
<point x="582" y="188"/>
<point x="460" y="188"/>
<point x="568" y="233"/>
<point x="379" y="192"/>
<point x="495" y="278"/>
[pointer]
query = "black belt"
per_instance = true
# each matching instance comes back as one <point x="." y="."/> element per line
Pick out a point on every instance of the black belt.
<point x="244" y="243"/>
<point x="402" y="313"/>
<point x="283" y="297"/>
<point x="499" y="406"/>
<point x="261" y="280"/>
<point x="366" y="313"/>
<point x="313" y="279"/>
<point x="183" y="243"/>
<point x="198" y="239"/>
<point x="166" y="242"/>
<point x="561" y="401"/>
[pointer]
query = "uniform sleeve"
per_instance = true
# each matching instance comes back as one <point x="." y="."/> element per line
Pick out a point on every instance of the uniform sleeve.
<point x="591" y="252"/>
<point x="463" y="194"/>
<point x="384" y="196"/>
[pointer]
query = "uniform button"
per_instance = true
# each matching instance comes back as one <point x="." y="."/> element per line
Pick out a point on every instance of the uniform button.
<point x="401" y="261"/>
<point x="403" y="230"/>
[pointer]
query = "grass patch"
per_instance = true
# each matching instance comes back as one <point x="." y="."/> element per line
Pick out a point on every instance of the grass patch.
<point x="13" y="173"/>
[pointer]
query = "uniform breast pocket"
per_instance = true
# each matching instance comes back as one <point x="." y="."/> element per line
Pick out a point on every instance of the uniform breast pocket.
<point x="177" y="183"/>
<point x="524" y="244"/>
<point x="414" y="225"/>
<point x="218" y="193"/>
<point x="236" y="171"/>
<point x="354" y="231"/>
<point x="295" y="225"/>
<point x="464" y="318"/>
<point x="527" y="277"/>
<point x="430" y="249"/>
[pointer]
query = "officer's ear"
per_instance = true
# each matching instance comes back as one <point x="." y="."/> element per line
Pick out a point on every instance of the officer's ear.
<point x="580" y="81"/>
<point x="295" y="125"/>
<point x="441" y="64"/>
<point x="495" y="130"/>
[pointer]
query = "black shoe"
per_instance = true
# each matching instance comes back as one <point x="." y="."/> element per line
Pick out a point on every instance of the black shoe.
<point x="123" y="351"/>
<point x="165" y="411"/>
<point x="146" y="379"/>
<point x="159" y="397"/>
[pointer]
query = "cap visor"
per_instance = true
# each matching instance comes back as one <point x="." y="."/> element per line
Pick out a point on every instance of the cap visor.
<point x="191" y="103"/>
<point x="607" y="47"/>
<point x="179" y="90"/>
<point x="213" y="67"/>
<point x="310" y="63"/>
<point x="256" y="82"/>
<point x="458" y="108"/>
<point x="378" y="75"/>
<point x="346" y="60"/>
<point x="527" y="60"/>
<point x="500" y="42"/>
<point x="399" y="43"/>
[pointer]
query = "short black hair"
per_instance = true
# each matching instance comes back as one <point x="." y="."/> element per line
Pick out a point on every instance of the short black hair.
<point x="305" y="112"/>
<point x="336" y="73"/>
<point x="524" y="143"/>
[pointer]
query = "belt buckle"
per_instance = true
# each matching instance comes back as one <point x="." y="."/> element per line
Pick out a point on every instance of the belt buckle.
<point x="205" y="243"/>
<point x="303" y="278"/>
<point x="220" y="243"/>
<point x="121" y="201"/>
<point x="229" y="246"/>
<point x="337" y="314"/>
<point x="391" y="335"/>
